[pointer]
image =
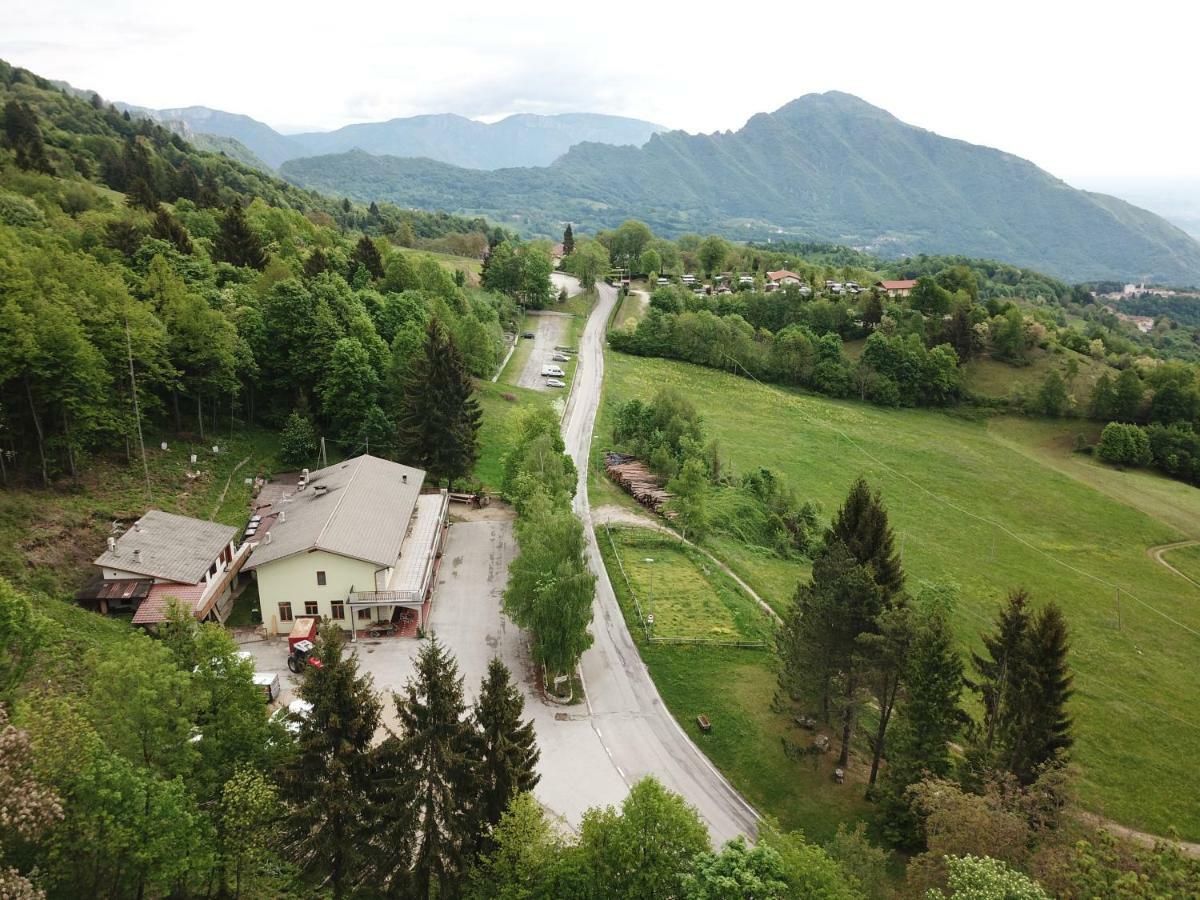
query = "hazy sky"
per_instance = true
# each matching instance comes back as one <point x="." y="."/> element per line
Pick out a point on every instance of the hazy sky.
<point x="1083" y="89"/>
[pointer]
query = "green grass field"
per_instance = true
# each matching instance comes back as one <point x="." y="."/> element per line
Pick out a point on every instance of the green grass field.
<point x="687" y="598"/>
<point x="991" y="505"/>
<point x="734" y="688"/>
<point x="496" y="429"/>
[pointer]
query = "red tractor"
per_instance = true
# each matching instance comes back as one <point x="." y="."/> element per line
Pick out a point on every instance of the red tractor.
<point x="301" y="656"/>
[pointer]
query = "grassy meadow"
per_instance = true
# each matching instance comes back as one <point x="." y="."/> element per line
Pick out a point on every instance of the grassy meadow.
<point x="990" y="505"/>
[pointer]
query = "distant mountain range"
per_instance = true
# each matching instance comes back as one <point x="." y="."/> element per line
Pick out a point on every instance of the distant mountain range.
<point x="825" y="167"/>
<point x="520" y="140"/>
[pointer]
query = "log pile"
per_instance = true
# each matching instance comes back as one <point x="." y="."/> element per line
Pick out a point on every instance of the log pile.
<point x="638" y="481"/>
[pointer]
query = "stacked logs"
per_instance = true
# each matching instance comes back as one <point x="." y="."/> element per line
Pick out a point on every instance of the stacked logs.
<point x="638" y="481"/>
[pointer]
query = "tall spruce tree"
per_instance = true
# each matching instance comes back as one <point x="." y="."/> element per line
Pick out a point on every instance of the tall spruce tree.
<point x="166" y="227"/>
<point x="568" y="240"/>
<point x="429" y="811"/>
<point x="999" y="671"/>
<point x="438" y="416"/>
<point x="236" y="243"/>
<point x="508" y="746"/>
<point x="1043" y="735"/>
<point x="862" y="525"/>
<point x="329" y="782"/>
<point x="366" y="254"/>
<point x="821" y="639"/>
<point x="1024" y="682"/>
<point x="928" y="717"/>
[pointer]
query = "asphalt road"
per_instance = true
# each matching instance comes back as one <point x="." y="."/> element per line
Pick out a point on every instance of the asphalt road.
<point x="627" y="714"/>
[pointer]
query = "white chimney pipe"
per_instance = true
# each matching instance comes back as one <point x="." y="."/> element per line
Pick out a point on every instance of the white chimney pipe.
<point x="112" y="545"/>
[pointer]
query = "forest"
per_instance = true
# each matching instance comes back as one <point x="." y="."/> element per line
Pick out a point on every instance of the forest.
<point x="147" y="282"/>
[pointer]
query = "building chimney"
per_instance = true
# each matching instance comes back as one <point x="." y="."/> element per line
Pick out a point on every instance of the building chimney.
<point x="268" y="538"/>
<point x="112" y="545"/>
<point x="282" y="516"/>
<point x="137" y="555"/>
<point x="404" y="478"/>
<point x="320" y="489"/>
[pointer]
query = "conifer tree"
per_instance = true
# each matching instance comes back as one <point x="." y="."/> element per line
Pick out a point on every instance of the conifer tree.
<point x="819" y="644"/>
<point x="236" y="243"/>
<point x="430" y="772"/>
<point x="329" y="781"/>
<point x="141" y="195"/>
<point x="508" y="746"/>
<point x="366" y="254"/>
<point x="1044" y="733"/>
<point x="928" y="719"/>
<point x="438" y="419"/>
<point x="167" y="228"/>
<point x="568" y="241"/>
<point x="25" y="137"/>
<point x="316" y="263"/>
<point x="862" y="525"/>
<point x="999" y="671"/>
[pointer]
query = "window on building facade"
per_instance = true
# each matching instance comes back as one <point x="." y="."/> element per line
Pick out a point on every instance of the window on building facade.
<point x="285" y="612"/>
<point x="364" y="614"/>
<point x="310" y="607"/>
<point x="339" y="610"/>
<point x="320" y="578"/>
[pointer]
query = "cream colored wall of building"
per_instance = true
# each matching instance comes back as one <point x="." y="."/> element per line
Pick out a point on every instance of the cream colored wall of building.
<point x="293" y="579"/>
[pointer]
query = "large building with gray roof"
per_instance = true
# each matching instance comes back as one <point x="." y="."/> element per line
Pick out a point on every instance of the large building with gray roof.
<point x="356" y="543"/>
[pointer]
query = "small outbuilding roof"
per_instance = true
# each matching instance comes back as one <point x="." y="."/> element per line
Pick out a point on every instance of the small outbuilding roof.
<point x="164" y="545"/>
<point x="905" y="284"/>
<point x="359" y="508"/>
<point x="783" y="273"/>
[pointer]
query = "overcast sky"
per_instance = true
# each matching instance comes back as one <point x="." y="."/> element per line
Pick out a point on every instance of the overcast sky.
<point x="1081" y="90"/>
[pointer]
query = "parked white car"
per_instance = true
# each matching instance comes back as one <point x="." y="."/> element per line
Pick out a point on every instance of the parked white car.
<point x="552" y="372"/>
<point x="555" y="382"/>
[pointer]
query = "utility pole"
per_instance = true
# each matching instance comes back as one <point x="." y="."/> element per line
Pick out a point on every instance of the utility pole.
<point x="137" y="414"/>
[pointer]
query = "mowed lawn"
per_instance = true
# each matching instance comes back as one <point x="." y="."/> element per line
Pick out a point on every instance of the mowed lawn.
<point x="1186" y="560"/>
<point x="992" y="505"/>
<point x="681" y="589"/>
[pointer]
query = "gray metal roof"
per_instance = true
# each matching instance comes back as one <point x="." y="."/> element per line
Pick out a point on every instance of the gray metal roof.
<point x="175" y="548"/>
<point x="362" y="513"/>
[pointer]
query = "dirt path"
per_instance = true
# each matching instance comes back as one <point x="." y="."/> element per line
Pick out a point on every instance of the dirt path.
<point x="1156" y="554"/>
<point x="1187" y="848"/>
<point x="617" y="515"/>
<point x="225" y="490"/>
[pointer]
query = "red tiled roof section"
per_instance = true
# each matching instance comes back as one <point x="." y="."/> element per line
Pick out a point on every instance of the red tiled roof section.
<point x="906" y="284"/>
<point x="783" y="273"/>
<point x="154" y="607"/>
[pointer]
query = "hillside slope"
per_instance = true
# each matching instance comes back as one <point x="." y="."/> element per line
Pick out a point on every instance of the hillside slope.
<point x="825" y="167"/>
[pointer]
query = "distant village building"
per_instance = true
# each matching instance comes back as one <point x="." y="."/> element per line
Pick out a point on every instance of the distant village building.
<point x="783" y="277"/>
<point x="1144" y="324"/>
<point x="357" y="543"/>
<point x="163" y="556"/>
<point x="900" y="288"/>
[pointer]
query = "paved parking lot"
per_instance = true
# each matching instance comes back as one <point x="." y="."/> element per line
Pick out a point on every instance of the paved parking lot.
<point x="575" y="768"/>
<point x="549" y="331"/>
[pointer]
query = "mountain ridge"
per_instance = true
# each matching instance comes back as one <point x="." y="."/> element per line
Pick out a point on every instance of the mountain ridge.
<point x="821" y="167"/>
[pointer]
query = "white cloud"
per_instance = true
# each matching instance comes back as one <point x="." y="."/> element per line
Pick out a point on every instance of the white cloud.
<point x="1078" y="89"/>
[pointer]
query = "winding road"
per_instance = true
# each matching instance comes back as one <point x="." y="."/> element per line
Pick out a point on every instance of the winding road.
<point x="626" y="713"/>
